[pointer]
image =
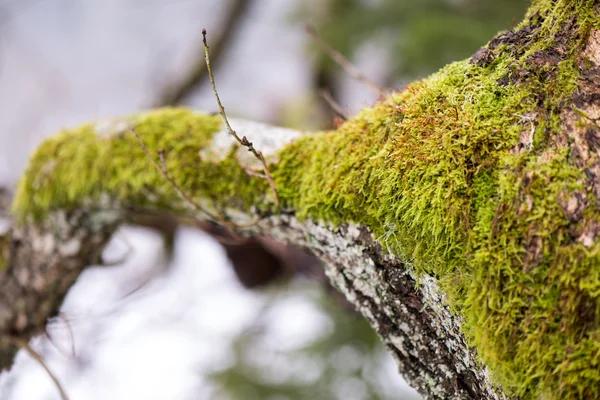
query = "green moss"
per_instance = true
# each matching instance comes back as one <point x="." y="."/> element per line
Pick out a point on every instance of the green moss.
<point x="443" y="173"/>
<point x="440" y="175"/>
<point x="80" y="164"/>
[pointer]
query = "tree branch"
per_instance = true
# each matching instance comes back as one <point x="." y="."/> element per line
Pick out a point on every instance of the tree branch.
<point x="469" y="240"/>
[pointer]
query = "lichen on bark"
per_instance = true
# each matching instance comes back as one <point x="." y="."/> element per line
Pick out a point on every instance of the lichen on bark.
<point x="106" y="159"/>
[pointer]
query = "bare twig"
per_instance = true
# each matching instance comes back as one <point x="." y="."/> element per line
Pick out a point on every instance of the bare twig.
<point x="326" y="95"/>
<point x="177" y="92"/>
<point x="243" y="140"/>
<point x="250" y="170"/>
<point x="162" y="168"/>
<point x="23" y="344"/>
<point x="62" y="317"/>
<point x="178" y="189"/>
<point x="254" y="173"/>
<point x="343" y="61"/>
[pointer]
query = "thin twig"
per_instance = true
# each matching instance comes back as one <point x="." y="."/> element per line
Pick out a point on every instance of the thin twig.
<point x="70" y="330"/>
<point x="163" y="170"/>
<point x="178" y="91"/>
<point x="326" y="95"/>
<point x="243" y="140"/>
<point x="23" y="344"/>
<point x="56" y="346"/>
<point x="252" y="171"/>
<point x="343" y="61"/>
<point x="180" y="191"/>
<point x="256" y="174"/>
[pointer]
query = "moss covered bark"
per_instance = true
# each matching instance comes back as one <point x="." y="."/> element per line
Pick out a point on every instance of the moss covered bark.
<point x="98" y="160"/>
<point x="484" y="175"/>
<point x="465" y="176"/>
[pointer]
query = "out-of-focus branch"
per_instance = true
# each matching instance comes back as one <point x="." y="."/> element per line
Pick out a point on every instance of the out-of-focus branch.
<point x="5" y="200"/>
<point x="176" y="92"/>
<point x="326" y="95"/>
<point x="44" y="261"/>
<point x="23" y="344"/>
<point x="343" y="62"/>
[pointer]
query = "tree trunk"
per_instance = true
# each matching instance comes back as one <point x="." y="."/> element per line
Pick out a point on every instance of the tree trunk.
<point x="461" y="216"/>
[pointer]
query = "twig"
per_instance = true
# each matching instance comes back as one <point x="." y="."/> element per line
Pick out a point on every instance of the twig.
<point x="176" y="93"/>
<point x="326" y="95"/>
<point x="22" y="344"/>
<point x="343" y="61"/>
<point x="243" y="140"/>
<point x="228" y="224"/>
<point x="250" y="170"/>
<point x="72" y="338"/>
<point x="163" y="170"/>
<point x="180" y="191"/>
<point x="70" y="330"/>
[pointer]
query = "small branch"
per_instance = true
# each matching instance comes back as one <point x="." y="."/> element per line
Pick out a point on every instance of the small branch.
<point x="62" y="317"/>
<point x="23" y="344"/>
<point x="343" y="62"/>
<point x="243" y="140"/>
<point x="162" y="168"/>
<point x="178" y="189"/>
<point x="176" y="93"/>
<point x="250" y="170"/>
<point x="254" y="173"/>
<point x="326" y="95"/>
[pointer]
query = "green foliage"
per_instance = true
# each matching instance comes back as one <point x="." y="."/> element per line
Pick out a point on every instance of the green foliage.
<point x="84" y="165"/>
<point x="420" y="36"/>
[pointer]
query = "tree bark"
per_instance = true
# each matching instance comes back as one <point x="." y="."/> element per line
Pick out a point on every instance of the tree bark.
<point x="461" y="217"/>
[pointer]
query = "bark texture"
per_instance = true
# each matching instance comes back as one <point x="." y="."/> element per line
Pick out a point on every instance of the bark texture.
<point x="45" y="261"/>
<point x="412" y="319"/>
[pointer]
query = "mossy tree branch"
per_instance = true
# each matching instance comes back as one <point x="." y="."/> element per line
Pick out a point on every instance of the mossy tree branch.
<point x="461" y="216"/>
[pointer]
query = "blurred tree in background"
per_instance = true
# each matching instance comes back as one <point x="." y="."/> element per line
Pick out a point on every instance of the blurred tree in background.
<point x="418" y="36"/>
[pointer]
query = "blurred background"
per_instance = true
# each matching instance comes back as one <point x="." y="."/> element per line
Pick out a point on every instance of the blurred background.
<point x="175" y="322"/>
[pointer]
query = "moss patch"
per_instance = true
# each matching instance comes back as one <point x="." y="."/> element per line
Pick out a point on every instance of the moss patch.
<point x="461" y="176"/>
<point x="81" y="164"/>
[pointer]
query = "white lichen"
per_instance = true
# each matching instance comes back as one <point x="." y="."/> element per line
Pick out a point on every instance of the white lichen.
<point x="114" y="127"/>
<point x="265" y="138"/>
